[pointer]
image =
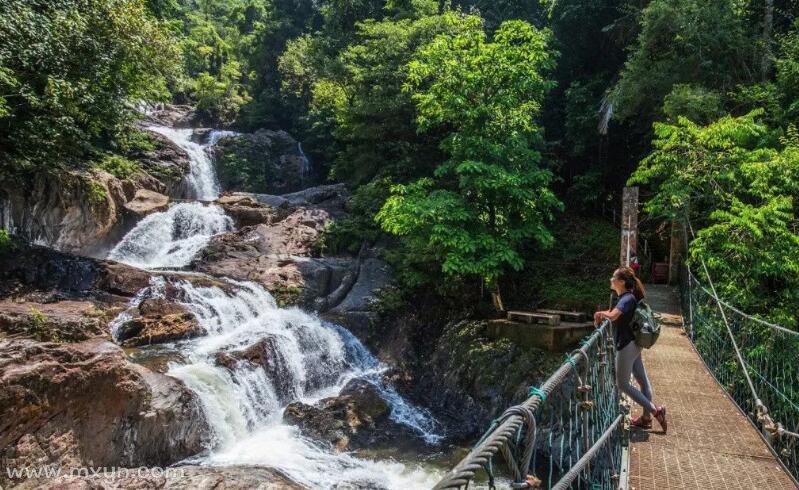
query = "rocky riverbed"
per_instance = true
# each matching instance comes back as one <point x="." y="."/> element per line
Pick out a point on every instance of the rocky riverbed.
<point x="221" y="336"/>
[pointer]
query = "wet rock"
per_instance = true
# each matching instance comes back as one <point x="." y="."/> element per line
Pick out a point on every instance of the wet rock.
<point x="74" y="211"/>
<point x="84" y="211"/>
<point x="332" y="198"/>
<point x="176" y="478"/>
<point x="62" y="321"/>
<point x="161" y="321"/>
<point x="173" y="115"/>
<point x="265" y="354"/>
<point x="84" y="404"/>
<point x="54" y="296"/>
<point x="357" y="418"/>
<point x="27" y="268"/>
<point x="246" y="210"/>
<point x="264" y="161"/>
<point x="121" y="279"/>
<point x="278" y="254"/>
<point x="146" y="202"/>
<point x="358" y="309"/>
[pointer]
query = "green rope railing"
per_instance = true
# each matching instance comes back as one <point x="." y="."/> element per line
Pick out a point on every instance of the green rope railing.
<point x="764" y="380"/>
<point x="567" y="434"/>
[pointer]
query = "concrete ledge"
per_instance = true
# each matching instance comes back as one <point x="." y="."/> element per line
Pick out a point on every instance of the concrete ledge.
<point x="533" y="317"/>
<point x="555" y="338"/>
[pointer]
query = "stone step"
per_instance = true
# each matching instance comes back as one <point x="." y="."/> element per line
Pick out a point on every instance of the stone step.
<point x="568" y="316"/>
<point x="531" y="317"/>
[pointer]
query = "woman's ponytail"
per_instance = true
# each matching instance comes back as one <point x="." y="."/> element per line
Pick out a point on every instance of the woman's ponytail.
<point x="638" y="289"/>
<point x="631" y="282"/>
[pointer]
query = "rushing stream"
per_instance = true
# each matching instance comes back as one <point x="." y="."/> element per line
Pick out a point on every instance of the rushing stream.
<point x="309" y="359"/>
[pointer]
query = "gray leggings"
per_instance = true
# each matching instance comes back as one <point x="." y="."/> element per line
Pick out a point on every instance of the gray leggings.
<point x="628" y="360"/>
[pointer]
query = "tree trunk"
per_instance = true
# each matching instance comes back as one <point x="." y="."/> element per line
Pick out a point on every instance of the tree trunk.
<point x="496" y="298"/>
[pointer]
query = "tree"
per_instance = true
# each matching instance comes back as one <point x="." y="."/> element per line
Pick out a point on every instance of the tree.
<point x="70" y="74"/>
<point x="491" y="196"/>
<point x="684" y="41"/>
<point x="737" y="183"/>
<point x="363" y="103"/>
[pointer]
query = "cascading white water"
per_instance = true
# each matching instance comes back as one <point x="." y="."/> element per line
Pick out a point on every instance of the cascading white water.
<point x="308" y="359"/>
<point x="201" y="180"/>
<point x="171" y="238"/>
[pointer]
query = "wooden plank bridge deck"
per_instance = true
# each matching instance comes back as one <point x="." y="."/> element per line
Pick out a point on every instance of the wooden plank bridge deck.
<point x="710" y="443"/>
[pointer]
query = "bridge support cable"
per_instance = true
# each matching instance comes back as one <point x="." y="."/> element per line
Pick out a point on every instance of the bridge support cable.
<point x="569" y="418"/>
<point x="752" y="359"/>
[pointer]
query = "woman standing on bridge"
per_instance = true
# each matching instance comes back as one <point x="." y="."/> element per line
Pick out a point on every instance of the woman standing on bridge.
<point x="628" y="355"/>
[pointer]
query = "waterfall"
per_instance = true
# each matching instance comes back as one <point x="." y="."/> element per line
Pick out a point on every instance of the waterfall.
<point x="171" y="238"/>
<point x="306" y="359"/>
<point x="306" y="162"/>
<point x="309" y="359"/>
<point x="201" y="180"/>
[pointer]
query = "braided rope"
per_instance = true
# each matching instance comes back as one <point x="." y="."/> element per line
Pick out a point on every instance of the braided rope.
<point x="589" y="455"/>
<point x="499" y="436"/>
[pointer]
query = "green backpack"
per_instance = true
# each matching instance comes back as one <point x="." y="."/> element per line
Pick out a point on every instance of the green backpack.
<point x="645" y="328"/>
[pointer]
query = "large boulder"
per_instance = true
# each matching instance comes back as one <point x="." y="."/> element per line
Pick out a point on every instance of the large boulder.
<point x="83" y="404"/>
<point x="54" y="296"/>
<point x="357" y="418"/>
<point x="25" y="268"/>
<point x="355" y="306"/>
<point x="265" y="161"/>
<point x="279" y="253"/>
<point x="247" y="210"/>
<point x="147" y="202"/>
<point x="85" y="211"/>
<point x="161" y="321"/>
<point x="60" y="321"/>
<point x="172" y="115"/>
<point x="75" y="211"/>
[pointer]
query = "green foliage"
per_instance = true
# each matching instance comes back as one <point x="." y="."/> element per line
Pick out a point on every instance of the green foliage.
<point x="707" y="166"/>
<point x="693" y="102"/>
<point x="96" y="194"/>
<point x="683" y="42"/>
<point x="286" y="295"/>
<point x="787" y="67"/>
<point x="738" y="186"/>
<point x="491" y="196"/>
<point x="68" y="72"/>
<point x="5" y="240"/>
<point x="586" y="192"/>
<point x="221" y="43"/>
<point x="40" y="327"/>
<point x="365" y="107"/>
<point x="349" y="233"/>
<point x="133" y="141"/>
<point x="573" y="273"/>
<point x="220" y="98"/>
<point x="390" y="300"/>
<point x="116" y="165"/>
<point x="241" y="166"/>
<point x="489" y="367"/>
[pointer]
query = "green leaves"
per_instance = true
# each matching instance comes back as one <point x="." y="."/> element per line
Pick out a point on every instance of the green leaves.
<point x="70" y="72"/>
<point x="491" y="197"/>
<point x="740" y="191"/>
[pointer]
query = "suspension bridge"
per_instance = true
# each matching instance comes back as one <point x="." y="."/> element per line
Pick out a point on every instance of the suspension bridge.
<point x="731" y="385"/>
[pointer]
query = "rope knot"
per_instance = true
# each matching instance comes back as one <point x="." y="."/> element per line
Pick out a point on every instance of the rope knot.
<point x="534" y="390"/>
